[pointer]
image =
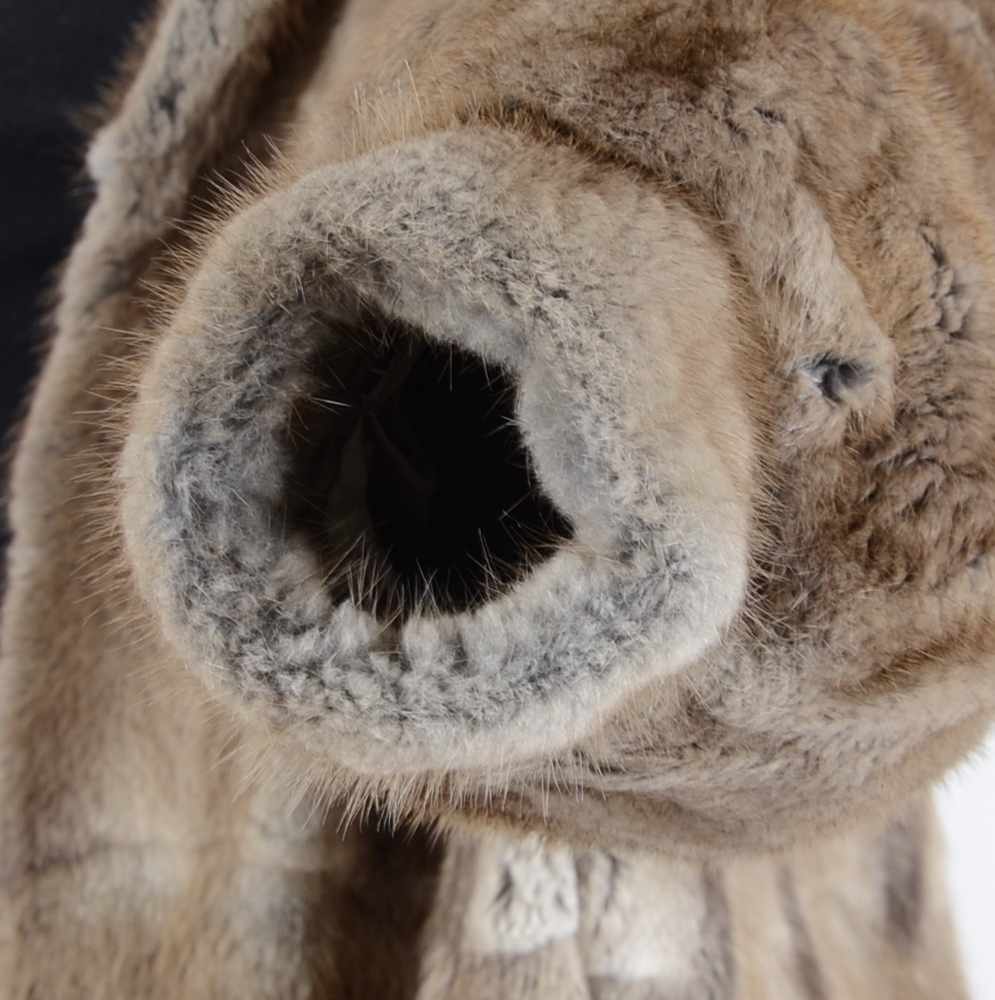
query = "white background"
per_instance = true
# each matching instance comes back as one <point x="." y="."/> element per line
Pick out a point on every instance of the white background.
<point x="967" y="807"/>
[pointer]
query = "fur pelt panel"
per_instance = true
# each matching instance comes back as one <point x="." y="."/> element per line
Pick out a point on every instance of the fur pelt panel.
<point x="855" y="917"/>
<point x="734" y="262"/>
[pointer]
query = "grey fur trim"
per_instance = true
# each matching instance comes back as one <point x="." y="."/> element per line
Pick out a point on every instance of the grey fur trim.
<point x="423" y="234"/>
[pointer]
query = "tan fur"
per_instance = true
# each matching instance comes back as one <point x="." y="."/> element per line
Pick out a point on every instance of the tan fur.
<point x="733" y="193"/>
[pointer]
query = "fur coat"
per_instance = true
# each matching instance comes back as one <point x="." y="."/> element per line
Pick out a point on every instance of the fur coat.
<point x="508" y="510"/>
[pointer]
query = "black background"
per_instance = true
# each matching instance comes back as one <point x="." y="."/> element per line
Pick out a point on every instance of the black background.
<point x="54" y="57"/>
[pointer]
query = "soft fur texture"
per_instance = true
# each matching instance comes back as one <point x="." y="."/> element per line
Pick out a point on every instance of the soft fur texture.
<point x="730" y="267"/>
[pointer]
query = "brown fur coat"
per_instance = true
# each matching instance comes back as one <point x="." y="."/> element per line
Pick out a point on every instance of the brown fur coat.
<point x="564" y="427"/>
